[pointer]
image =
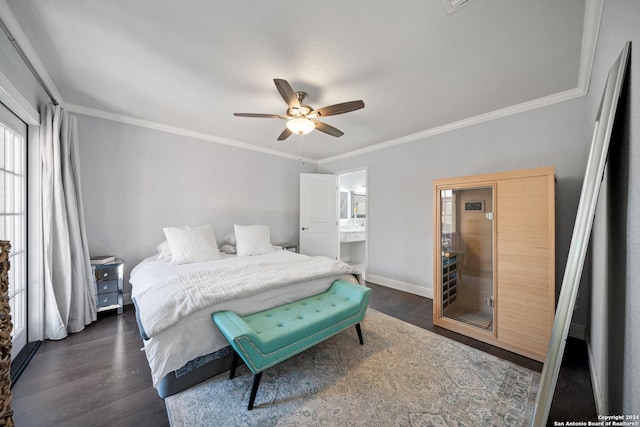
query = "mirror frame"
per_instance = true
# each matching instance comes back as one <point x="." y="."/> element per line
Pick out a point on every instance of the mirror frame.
<point x="581" y="236"/>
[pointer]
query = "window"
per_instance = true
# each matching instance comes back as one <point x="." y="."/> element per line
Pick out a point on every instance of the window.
<point x="13" y="220"/>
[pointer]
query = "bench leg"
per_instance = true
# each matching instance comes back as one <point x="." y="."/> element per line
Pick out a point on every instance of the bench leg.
<point x="359" y="333"/>
<point x="254" y="389"/>
<point x="234" y="365"/>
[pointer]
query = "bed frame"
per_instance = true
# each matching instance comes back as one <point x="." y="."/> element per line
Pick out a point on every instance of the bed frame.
<point x="175" y="382"/>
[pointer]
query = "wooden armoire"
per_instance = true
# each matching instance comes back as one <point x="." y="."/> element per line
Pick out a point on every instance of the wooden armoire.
<point x="494" y="258"/>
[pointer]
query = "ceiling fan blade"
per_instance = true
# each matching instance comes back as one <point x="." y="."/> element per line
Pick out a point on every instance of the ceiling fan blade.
<point x="285" y="134"/>
<point x="262" y="116"/>
<point x="330" y="130"/>
<point x="287" y="93"/>
<point x="341" y="108"/>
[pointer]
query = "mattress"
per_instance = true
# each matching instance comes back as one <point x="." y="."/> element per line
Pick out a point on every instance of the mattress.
<point x="196" y="335"/>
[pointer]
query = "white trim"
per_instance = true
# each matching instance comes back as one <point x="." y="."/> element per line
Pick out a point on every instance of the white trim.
<point x="591" y="29"/>
<point x="401" y="286"/>
<point x="353" y="170"/>
<point x="35" y="241"/>
<point x="18" y="104"/>
<point x="595" y="383"/>
<point x="515" y="109"/>
<point x="88" y="111"/>
<point x="22" y="41"/>
<point x="364" y="169"/>
<point x="592" y="17"/>
<point x="504" y="112"/>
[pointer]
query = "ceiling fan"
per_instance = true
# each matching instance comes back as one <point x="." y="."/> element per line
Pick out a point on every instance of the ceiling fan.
<point x="301" y="118"/>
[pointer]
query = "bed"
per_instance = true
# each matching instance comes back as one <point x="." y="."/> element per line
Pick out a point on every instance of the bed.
<point x="183" y="346"/>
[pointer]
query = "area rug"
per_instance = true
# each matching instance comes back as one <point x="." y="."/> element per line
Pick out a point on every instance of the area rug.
<point x="403" y="375"/>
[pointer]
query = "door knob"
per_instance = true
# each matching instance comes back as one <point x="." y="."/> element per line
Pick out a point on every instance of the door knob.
<point x="304" y="228"/>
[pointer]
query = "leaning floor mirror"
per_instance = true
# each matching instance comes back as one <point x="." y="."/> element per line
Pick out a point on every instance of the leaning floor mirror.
<point x="580" y="238"/>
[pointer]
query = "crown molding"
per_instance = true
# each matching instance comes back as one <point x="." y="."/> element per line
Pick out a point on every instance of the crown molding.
<point x="493" y="115"/>
<point x="592" y="17"/>
<point x="94" y="112"/>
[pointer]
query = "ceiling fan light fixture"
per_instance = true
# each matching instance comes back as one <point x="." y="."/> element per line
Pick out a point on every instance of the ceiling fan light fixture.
<point x="300" y="125"/>
<point x="300" y="117"/>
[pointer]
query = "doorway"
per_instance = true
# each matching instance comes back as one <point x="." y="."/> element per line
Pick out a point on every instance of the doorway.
<point x="353" y="230"/>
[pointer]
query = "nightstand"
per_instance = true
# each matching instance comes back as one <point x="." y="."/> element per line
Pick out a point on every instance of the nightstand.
<point x="108" y="281"/>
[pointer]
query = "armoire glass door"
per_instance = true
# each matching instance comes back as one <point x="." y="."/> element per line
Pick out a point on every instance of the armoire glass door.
<point x="467" y="235"/>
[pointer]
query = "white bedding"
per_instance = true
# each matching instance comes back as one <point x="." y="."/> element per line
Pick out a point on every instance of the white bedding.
<point x="195" y="335"/>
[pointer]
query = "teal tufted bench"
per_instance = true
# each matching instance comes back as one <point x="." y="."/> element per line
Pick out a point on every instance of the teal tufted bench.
<point x="269" y="337"/>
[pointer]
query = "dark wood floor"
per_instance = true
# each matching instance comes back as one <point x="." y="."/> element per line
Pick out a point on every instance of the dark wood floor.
<point x="100" y="377"/>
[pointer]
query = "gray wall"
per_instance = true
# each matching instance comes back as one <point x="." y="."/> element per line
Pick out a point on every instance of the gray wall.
<point x="614" y="332"/>
<point x="400" y="194"/>
<point x="136" y="180"/>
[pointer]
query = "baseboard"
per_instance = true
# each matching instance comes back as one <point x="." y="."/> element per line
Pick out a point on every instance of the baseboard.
<point x="19" y="364"/>
<point x="401" y="286"/>
<point x="595" y="382"/>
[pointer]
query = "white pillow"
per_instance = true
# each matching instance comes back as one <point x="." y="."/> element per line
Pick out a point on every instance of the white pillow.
<point x="252" y="240"/>
<point x="230" y="239"/>
<point x="228" y="249"/>
<point x="192" y="244"/>
<point x="164" y="251"/>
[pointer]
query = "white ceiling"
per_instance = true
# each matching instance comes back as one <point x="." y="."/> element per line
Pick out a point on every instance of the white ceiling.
<point x="187" y="66"/>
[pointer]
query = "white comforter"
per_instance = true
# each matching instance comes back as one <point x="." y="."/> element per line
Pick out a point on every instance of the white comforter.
<point x="167" y="302"/>
<point x="191" y="333"/>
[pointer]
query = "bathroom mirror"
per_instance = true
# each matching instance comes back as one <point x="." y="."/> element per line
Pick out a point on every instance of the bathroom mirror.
<point x="581" y="235"/>
<point x="358" y="200"/>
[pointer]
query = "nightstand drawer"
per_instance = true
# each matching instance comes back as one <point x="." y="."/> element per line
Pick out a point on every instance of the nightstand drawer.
<point x="104" y="300"/>
<point x="106" y="287"/>
<point x="106" y="273"/>
<point x="107" y="279"/>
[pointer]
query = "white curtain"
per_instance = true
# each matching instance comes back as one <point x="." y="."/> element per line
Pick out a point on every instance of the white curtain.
<point x="69" y="296"/>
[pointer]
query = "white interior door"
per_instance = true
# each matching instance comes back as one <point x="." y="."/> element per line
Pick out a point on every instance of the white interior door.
<point x="319" y="215"/>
